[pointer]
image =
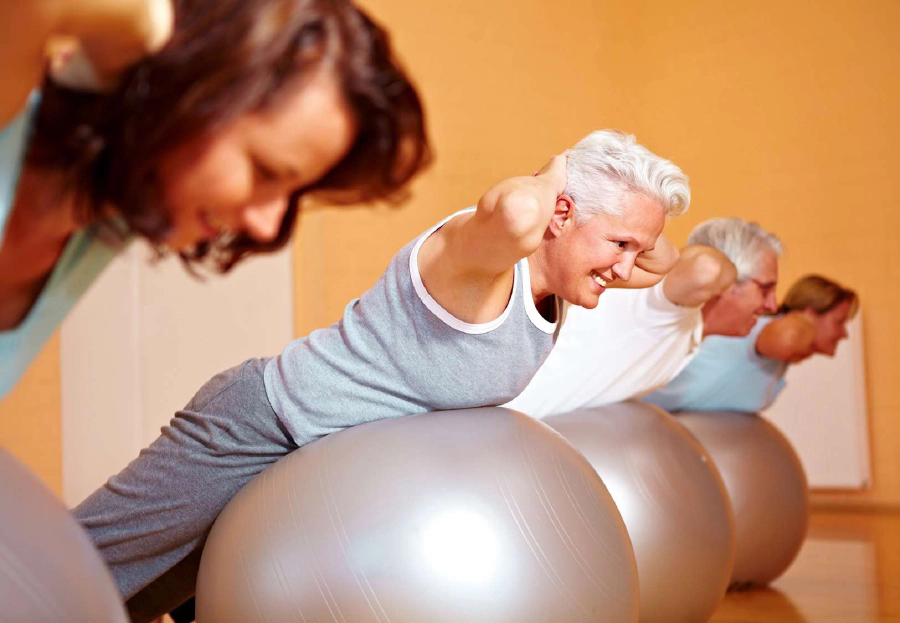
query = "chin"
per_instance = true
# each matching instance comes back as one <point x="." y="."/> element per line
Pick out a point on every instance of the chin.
<point x="591" y="302"/>
<point x="742" y="332"/>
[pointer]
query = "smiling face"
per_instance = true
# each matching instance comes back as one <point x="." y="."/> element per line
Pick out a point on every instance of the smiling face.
<point x="735" y="311"/>
<point x="579" y="260"/>
<point x="239" y="180"/>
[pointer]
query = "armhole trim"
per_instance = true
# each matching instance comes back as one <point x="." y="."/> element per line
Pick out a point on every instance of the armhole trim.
<point x="435" y="308"/>
<point x="530" y="310"/>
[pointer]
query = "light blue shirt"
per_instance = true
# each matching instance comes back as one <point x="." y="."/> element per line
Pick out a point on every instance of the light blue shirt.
<point x="83" y="259"/>
<point x="726" y="375"/>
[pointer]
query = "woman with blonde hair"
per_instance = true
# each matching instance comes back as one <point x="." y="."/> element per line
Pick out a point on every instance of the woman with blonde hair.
<point x="812" y="320"/>
<point x="747" y="374"/>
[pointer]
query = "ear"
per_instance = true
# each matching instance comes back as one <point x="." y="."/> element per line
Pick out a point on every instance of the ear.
<point x="732" y="291"/>
<point x="563" y="216"/>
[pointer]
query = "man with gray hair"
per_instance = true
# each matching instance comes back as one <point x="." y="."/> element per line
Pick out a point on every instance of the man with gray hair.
<point x="636" y="341"/>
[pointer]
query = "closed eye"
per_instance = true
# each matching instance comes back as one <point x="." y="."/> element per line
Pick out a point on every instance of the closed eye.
<point x="265" y="173"/>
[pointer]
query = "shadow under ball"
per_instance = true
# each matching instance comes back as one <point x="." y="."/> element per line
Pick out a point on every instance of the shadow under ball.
<point x="672" y="500"/>
<point x="477" y="515"/>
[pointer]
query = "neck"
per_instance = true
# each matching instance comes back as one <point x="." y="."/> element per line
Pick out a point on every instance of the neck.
<point x="704" y="313"/>
<point x="709" y="320"/>
<point x="537" y="267"/>
<point x="42" y="213"/>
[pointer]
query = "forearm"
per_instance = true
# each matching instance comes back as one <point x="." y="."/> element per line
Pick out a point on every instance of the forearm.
<point x="113" y="33"/>
<point x="788" y="338"/>
<point x="513" y="216"/>
<point x="700" y="274"/>
<point x="519" y="209"/>
<point x="651" y="266"/>
<point x="138" y="26"/>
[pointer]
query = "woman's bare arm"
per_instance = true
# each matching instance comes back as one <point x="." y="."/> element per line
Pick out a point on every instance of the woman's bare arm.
<point x="113" y="33"/>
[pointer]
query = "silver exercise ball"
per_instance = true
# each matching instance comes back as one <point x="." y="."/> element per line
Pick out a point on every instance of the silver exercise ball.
<point x="673" y="502"/>
<point x="767" y="487"/>
<point x="49" y="571"/>
<point x="477" y="515"/>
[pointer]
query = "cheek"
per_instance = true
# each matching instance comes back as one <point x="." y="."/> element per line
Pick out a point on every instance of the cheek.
<point x="751" y="311"/>
<point x="210" y="176"/>
<point x="598" y="255"/>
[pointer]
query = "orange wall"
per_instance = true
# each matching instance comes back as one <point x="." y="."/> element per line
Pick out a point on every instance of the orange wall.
<point x="506" y="84"/>
<point x="787" y="113"/>
<point x="30" y="418"/>
<point x="783" y="112"/>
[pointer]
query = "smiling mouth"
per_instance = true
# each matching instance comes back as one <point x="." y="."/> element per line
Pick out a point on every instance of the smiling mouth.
<point x="600" y="281"/>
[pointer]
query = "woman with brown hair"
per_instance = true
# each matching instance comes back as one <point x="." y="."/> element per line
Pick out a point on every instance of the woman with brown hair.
<point x="747" y="374"/>
<point x="204" y="124"/>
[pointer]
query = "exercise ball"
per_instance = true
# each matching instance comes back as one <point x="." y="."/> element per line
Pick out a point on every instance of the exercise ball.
<point x="672" y="500"/>
<point x="477" y="515"/>
<point x="767" y="487"/>
<point x="49" y="570"/>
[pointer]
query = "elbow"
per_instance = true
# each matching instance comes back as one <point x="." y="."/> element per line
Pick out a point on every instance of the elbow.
<point x="799" y="344"/>
<point x="787" y="341"/>
<point x="521" y="215"/>
<point x="667" y="263"/>
<point x="713" y="272"/>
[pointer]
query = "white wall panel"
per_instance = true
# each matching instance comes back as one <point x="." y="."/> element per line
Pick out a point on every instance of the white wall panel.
<point x="822" y="411"/>
<point x="144" y="339"/>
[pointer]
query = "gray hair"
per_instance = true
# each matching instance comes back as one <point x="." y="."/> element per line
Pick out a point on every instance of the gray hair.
<point x="741" y="242"/>
<point x="606" y="166"/>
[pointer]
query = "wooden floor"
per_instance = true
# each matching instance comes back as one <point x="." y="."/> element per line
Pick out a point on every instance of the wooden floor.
<point x="847" y="572"/>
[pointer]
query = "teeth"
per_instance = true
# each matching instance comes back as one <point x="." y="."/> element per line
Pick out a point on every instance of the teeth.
<point x="598" y="279"/>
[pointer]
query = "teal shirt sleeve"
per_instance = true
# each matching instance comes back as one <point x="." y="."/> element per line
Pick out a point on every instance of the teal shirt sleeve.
<point x="83" y="259"/>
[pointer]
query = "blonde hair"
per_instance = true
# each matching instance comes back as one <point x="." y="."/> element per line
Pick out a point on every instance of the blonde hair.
<point x="818" y="294"/>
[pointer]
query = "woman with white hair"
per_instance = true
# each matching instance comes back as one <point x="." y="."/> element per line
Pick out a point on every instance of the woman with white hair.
<point x="463" y="316"/>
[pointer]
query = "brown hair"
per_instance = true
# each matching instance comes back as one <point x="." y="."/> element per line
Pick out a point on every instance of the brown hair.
<point x="818" y="294"/>
<point x="227" y="58"/>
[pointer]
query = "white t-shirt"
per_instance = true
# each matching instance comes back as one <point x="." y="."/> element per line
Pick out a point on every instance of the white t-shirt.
<point x="632" y="343"/>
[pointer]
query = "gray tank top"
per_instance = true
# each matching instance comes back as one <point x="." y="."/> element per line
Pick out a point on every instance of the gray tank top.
<point x="397" y="352"/>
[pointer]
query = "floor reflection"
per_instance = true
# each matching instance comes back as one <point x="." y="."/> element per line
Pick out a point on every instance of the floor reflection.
<point x="847" y="572"/>
<point x="768" y="603"/>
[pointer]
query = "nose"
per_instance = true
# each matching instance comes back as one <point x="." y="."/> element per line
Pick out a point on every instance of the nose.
<point x="771" y="303"/>
<point x="262" y="221"/>
<point x="622" y="269"/>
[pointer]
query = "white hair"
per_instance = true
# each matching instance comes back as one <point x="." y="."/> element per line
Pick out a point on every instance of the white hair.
<point x="741" y="242"/>
<point x="606" y="166"/>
